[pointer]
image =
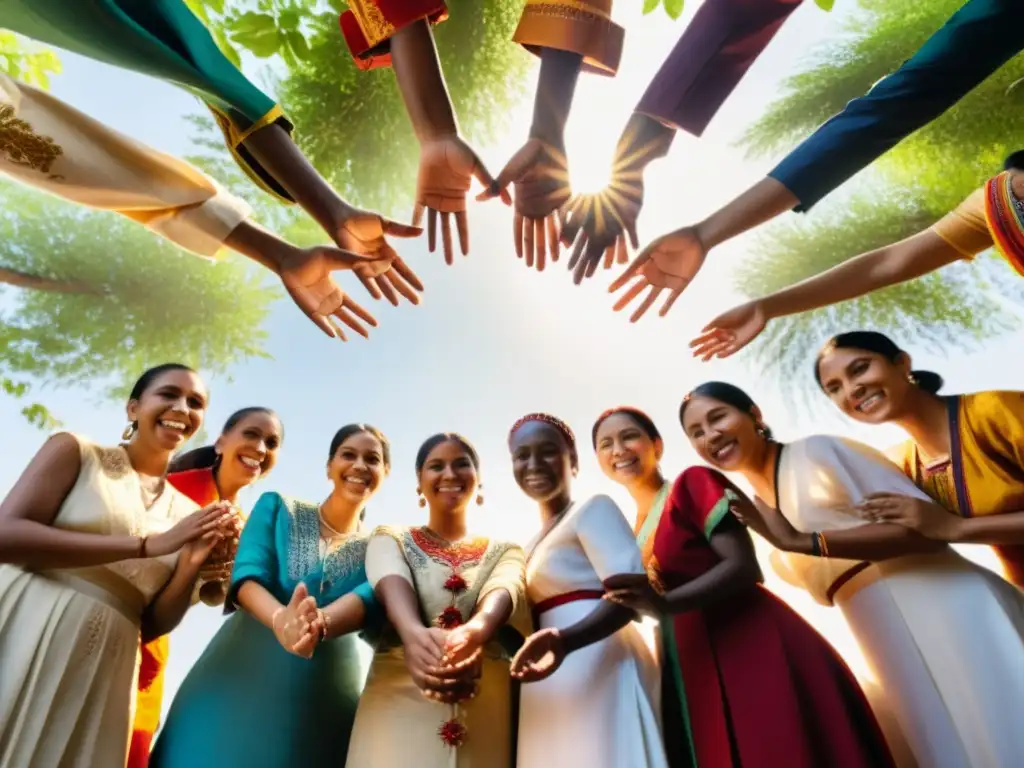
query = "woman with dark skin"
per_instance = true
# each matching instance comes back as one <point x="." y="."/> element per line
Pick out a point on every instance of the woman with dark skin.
<point x="913" y="604"/>
<point x="965" y="451"/>
<point x="447" y="595"/>
<point x="96" y="547"/>
<point x="245" y="451"/>
<point x="745" y="681"/>
<point x="585" y="667"/>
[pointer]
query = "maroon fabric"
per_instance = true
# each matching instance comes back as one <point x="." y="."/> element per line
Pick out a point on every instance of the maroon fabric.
<point x="715" y="51"/>
<point x="762" y="688"/>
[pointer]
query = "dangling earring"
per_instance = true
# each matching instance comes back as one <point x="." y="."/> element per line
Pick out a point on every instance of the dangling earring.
<point x="423" y="501"/>
<point x="480" y="497"/>
<point x="762" y="432"/>
<point x="912" y="379"/>
<point x="130" y="430"/>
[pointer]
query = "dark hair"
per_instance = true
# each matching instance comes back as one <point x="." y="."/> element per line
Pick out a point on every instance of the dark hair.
<point x="348" y="430"/>
<point x="560" y="426"/>
<point x="645" y="422"/>
<point x="148" y="377"/>
<point x="880" y="344"/>
<point x="445" y="437"/>
<point x="1015" y="162"/>
<point x="726" y="393"/>
<point x="207" y="456"/>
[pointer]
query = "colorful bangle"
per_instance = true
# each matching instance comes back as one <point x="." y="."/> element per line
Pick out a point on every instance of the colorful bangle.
<point x="816" y="544"/>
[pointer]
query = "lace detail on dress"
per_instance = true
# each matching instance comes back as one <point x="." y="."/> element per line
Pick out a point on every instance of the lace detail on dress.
<point x="304" y="552"/>
<point x="345" y="557"/>
<point x="113" y="462"/>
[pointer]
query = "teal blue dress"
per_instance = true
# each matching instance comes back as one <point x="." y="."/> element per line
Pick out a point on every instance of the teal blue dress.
<point x="249" y="703"/>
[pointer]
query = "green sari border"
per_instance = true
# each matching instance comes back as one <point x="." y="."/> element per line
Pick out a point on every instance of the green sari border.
<point x="720" y="510"/>
<point x="668" y="643"/>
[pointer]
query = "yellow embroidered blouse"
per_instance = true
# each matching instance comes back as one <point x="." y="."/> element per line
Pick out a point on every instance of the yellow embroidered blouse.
<point x="985" y="474"/>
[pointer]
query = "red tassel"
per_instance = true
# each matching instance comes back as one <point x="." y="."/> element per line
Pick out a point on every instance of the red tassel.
<point x="456" y="583"/>
<point x="449" y="618"/>
<point x="452" y="733"/>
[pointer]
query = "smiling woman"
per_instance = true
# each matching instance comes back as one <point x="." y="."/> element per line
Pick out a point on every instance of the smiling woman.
<point x="69" y="592"/>
<point x="245" y="451"/>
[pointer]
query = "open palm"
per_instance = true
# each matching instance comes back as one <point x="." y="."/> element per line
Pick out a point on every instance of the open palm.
<point x="448" y="166"/>
<point x="599" y="225"/>
<point x="539" y="173"/>
<point x="730" y="332"/>
<point x="669" y="263"/>
<point x="307" y="278"/>
<point x="363" y="233"/>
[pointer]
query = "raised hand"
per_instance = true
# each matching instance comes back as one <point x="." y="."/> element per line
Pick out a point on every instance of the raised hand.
<point x="540" y="657"/>
<point x="296" y="625"/>
<point x="539" y="173"/>
<point x="730" y="332"/>
<point x="363" y="232"/>
<point x="599" y="225"/>
<point x="448" y="166"/>
<point x="209" y="519"/>
<point x="669" y="263"/>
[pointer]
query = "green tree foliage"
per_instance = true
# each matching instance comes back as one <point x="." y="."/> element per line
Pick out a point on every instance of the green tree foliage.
<point x="905" y="191"/>
<point x="26" y="60"/>
<point x="92" y="299"/>
<point x="352" y="124"/>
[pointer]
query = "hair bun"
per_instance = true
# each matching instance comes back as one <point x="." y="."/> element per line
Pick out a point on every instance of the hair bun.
<point x="928" y="381"/>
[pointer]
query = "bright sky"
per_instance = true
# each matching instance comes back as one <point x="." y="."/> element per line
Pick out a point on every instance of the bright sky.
<point x="492" y="340"/>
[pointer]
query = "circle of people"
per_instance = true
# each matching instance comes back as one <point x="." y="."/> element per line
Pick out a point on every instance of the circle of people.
<point x="487" y="653"/>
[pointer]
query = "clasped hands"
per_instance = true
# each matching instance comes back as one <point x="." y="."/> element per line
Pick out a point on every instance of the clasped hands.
<point x="445" y="664"/>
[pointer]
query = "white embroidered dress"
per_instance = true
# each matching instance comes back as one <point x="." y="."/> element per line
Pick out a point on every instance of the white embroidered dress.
<point x="69" y="638"/>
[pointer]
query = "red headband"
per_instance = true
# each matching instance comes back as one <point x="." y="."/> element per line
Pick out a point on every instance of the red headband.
<point x="554" y="421"/>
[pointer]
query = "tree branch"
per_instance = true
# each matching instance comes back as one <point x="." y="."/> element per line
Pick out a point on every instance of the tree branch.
<point x="40" y="283"/>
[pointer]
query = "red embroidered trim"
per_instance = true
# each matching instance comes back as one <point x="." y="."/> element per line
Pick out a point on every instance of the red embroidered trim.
<point x="453" y="555"/>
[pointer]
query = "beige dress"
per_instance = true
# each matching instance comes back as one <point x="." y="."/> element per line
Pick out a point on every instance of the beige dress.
<point x="69" y="638"/>
<point x="50" y="145"/>
<point x="395" y="725"/>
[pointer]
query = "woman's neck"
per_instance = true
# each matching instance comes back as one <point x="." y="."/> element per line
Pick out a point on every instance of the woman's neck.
<point x="448" y="524"/>
<point x="645" y="491"/>
<point x="145" y="461"/>
<point x="341" y="515"/>
<point x="761" y="473"/>
<point x="926" y="420"/>
<point x="551" y="509"/>
<point x="226" y="489"/>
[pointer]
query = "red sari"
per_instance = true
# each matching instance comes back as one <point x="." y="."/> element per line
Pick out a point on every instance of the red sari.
<point x="200" y="486"/>
<point x="746" y="681"/>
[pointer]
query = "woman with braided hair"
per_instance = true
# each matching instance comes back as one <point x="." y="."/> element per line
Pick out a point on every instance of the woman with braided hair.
<point x="592" y="694"/>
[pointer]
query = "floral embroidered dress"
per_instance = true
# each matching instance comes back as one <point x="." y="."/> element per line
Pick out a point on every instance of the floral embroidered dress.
<point x="69" y="638"/>
<point x="247" y="701"/>
<point x="396" y="725"/>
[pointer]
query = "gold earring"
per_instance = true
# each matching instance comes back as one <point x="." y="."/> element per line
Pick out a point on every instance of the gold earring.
<point x="130" y="430"/>
<point x="912" y="379"/>
<point x="423" y="501"/>
<point x="479" y="499"/>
